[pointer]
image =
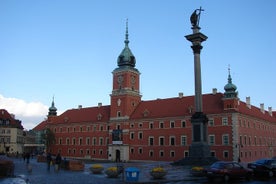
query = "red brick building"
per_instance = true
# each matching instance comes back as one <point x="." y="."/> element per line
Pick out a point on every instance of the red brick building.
<point x="132" y="129"/>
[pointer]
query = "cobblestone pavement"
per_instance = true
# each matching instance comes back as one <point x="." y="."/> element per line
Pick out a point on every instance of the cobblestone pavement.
<point x="40" y="175"/>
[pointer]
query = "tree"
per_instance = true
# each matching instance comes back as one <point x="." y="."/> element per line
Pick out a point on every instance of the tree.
<point x="48" y="137"/>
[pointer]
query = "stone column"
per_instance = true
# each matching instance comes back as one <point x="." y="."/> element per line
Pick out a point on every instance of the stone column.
<point x="199" y="149"/>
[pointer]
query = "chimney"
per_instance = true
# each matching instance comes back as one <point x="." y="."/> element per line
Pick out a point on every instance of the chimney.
<point x="270" y="111"/>
<point x="80" y="106"/>
<point x="248" y="102"/>
<point x="262" y="107"/>
<point x="214" y="91"/>
<point x="99" y="104"/>
<point x="180" y="94"/>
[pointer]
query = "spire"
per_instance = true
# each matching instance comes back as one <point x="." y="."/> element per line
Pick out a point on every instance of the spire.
<point x="52" y="109"/>
<point x="126" y="39"/>
<point x="230" y="88"/>
<point x="126" y="58"/>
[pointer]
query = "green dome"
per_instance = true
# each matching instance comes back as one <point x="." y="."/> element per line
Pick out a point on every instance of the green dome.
<point x="126" y="58"/>
<point x="230" y="88"/>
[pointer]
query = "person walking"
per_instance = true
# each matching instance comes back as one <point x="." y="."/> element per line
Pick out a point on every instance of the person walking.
<point x="49" y="160"/>
<point x="57" y="162"/>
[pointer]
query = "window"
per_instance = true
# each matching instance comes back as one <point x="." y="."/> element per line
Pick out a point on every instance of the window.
<point x="87" y="152"/>
<point x="172" y="141"/>
<point x="151" y="153"/>
<point x="224" y="121"/>
<point x="183" y="140"/>
<point x="172" y="124"/>
<point x="119" y="114"/>
<point x="161" y="153"/>
<point x="80" y="141"/>
<point x="183" y="124"/>
<point x="225" y="154"/>
<point x="172" y="153"/>
<point x="131" y="150"/>
<point x="87" y="141"/>
<point x="94" y="141"/>
<point x="140" y="125"/>
<point x="151" y="125"/>
<point x="211" y="139"/>
<point x="225" y="139"/>
<point x="186" y="153"/>
<point x="161" y="124"/>
<point x="140" y="135"/>
<point x="101" y="141"/>
<point x="60" y="140"/>
<point x="140" y="150"/>
<point x="161" y="141"/>
<point x="131" y="135"/>
<point x="67" y="141"/>
<point x="211" y="122"/>
<point x="151" y="141"/>
<point x="74" y="141"/>
<point x="213" y="153"/>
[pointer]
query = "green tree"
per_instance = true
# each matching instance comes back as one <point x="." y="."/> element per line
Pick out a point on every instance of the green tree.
<point x="48" y="137"/>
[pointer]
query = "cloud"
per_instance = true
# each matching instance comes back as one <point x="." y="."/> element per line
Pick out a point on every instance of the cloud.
<point x="30" y="113"/>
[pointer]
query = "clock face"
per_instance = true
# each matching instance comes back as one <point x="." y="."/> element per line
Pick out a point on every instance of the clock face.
<point x="120" y="79"/>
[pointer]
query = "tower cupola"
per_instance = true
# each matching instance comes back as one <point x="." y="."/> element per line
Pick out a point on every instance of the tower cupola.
<point x="52" y="109"/>
<point x="126" y="58"/>
<point x="230" y="88"/>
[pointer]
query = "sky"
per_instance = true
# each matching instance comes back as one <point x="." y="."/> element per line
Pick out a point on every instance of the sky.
<point x="67" y="50"/>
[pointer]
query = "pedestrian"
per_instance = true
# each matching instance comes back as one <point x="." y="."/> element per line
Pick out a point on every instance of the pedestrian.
<point x="57" y="162"/>
<point x="49" y="160"/>
<point x="24" y="156"/>
<point x="28" y="157"/>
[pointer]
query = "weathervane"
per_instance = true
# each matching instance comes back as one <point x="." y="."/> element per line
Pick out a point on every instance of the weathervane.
<point x="195" y="17"/>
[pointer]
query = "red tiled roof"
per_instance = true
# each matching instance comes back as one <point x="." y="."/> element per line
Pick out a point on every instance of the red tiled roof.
<point x="89" y="114"/>
<point x="172" y="107"/>
<point x="159" y="108"/>
<point x="41" y="126"/>
<point x="256" y="112"/>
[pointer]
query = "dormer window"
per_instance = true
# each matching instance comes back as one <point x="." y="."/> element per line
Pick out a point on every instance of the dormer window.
<point x="99" y="116"/>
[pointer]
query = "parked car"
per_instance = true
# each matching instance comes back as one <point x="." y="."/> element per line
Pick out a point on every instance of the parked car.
<point x="227" y="170"/>
<point x="263" y="167"/>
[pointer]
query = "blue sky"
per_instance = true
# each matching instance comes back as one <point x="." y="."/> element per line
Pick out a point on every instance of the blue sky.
<point x="68" y="49"/>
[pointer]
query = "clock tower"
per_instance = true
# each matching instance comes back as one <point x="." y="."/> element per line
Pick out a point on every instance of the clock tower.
<point x="125" y="93"/>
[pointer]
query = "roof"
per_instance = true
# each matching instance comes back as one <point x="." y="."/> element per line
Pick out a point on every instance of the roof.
<point x="41" y="126"/>
<point x="159" y="108"/>
<point x="81" y="115"/>
<point x="12" y="122"/>
<point x="178" y="106"/>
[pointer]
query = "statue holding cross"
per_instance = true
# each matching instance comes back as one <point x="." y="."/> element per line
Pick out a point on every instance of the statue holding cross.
<point x="195" y="17"/>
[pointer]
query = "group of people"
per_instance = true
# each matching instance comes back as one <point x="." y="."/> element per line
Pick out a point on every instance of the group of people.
<point x="26" y="156"/>
<point x="51" y="161"/>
